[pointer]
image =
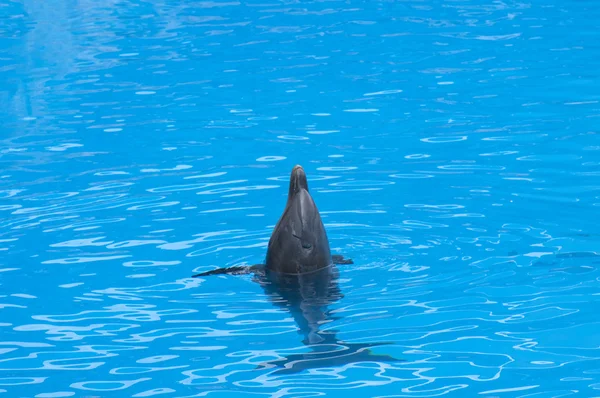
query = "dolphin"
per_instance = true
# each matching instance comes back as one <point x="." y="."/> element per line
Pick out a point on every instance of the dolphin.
<point x="299" y="242"/>
<point x="300" y="275"/>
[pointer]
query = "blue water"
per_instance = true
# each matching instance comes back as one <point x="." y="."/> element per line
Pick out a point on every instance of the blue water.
<point x="451" y="146"/>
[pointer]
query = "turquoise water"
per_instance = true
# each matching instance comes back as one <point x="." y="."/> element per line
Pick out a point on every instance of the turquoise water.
<point x="451" y="146"/>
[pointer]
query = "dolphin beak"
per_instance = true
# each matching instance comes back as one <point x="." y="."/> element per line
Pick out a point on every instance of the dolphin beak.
<point x="298" y="173"/>
<point x="297" y="181"/>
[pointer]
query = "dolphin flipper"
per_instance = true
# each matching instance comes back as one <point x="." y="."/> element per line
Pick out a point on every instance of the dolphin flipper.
<point x="236" y="270"/>
<point x="245" y="269"/>
<point x="339" y="259"/>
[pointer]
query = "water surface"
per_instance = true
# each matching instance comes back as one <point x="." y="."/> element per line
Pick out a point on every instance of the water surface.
<point x="451" y="147"/>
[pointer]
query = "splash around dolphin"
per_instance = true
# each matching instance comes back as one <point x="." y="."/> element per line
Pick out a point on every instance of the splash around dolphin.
<point x="299" y="243"/>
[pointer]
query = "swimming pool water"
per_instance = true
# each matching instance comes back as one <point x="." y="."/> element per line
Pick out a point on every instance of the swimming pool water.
<point x="451" y="146"/>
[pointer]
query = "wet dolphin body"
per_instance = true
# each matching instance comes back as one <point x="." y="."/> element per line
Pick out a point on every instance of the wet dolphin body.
<point x="299" y="275"/>
<point x="299" y="243"/>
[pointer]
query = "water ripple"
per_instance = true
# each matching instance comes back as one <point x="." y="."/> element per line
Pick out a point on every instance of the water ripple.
<point x="450" y="147"/>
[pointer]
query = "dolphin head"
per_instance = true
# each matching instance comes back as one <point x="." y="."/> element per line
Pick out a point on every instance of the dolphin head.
<point x="298" y="182"/>
<point x="299" y="242"/>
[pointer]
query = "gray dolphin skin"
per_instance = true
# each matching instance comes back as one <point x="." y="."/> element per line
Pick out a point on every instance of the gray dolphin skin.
<point x="301" y="277"/>
<point x="299" y="243"/>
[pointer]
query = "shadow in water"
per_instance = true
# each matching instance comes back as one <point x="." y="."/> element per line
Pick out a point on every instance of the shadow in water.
<point x="307" y="297"/>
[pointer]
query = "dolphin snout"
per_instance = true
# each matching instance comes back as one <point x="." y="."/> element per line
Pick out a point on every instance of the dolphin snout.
<point x="297" y="181"/>
<point x="298" y="173"/>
